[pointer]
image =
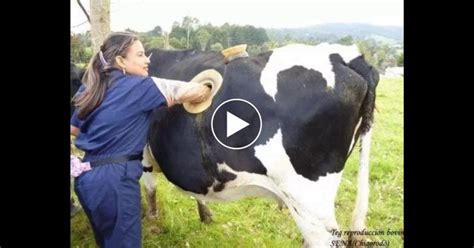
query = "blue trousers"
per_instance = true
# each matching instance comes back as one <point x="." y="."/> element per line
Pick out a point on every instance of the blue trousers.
<point x="110" y="196"/>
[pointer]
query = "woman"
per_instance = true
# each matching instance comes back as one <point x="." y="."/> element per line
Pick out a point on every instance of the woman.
<point x="111" y="121"/>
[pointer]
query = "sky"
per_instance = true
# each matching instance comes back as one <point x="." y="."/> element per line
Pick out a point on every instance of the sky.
<point x="144" y="15"/>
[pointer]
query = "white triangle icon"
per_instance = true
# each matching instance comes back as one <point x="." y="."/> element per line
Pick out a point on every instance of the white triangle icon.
<point x="234" y="124"/>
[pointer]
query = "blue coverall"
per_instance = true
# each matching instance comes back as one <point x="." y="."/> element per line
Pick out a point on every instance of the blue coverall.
<point x="110" y="194"/>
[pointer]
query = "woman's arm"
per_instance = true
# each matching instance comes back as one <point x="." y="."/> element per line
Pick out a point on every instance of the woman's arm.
<point x="177" y="92"/>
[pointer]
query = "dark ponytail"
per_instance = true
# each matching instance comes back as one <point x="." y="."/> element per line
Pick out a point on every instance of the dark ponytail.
<point x="96" y="77"/>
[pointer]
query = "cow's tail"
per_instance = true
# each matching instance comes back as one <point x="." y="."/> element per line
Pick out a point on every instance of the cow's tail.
<point x="367" y="113"/>
<point x="362" y="199"/>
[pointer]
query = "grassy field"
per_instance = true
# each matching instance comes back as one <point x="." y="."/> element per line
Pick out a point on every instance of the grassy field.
<point x="259" y="223"/>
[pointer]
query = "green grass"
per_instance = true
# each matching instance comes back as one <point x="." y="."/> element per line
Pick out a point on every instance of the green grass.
<point x="259" y="223"/>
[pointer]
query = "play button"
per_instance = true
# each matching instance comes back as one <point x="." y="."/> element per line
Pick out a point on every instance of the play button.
<point x="236" y="124"/>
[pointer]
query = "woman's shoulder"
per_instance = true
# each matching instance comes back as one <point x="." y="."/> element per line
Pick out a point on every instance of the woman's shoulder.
<point x="133" y="81"/>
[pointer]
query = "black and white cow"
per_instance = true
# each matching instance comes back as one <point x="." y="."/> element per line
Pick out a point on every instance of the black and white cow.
<point x="315" y="102"/>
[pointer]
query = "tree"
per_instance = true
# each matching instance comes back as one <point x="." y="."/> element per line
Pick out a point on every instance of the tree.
<point x="100" y="22"/>
<point x="166" y="38"/>
<point x="76" y="48"/>
<point x="145" y="39"/>
<point x="217" y="47"/>
<point x="156" y="42"/>
<point x="218" y="35"/>
<point x="400" y="60"/>
<point x="178" y="33"/>
<point x="81" y="48"/>
<point x="86" y="55"/>
<point x="346" y="40"/>
<point x="386" y="57"/>
<point x="226" y="28"/>
<point x="157" y="31"/>
<point x="287" y="39"/>
<point x="175" y="25"/>
<point x="378" y="54"/>
<point x="131" y="31"/>
<point x="368" y="49"/>
<point x="253" y="50"/>
<point x="259" y="35"/>
<point x="189" y="23"/>
<point x="269" y="45"/>
<point x="85" y="38"/>
<point x="177" y="43"/>
<point x="202" y="36"/>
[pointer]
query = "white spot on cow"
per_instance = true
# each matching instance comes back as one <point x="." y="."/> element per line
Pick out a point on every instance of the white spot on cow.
<point x="310" y="202"/>
<point x="148" y="163"/>
<point x="150" y="183"/>
<point x="310" y="57"/>
<point x="244" y="185"/>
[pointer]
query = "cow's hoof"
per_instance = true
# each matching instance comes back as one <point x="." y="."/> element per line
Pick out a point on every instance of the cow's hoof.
<point x="206" y="219"/>
<point x="205" y="214"/>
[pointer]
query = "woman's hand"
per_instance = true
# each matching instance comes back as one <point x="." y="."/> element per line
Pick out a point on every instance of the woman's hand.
<point x="193" y="92"/>
<point x="178" y="92"/>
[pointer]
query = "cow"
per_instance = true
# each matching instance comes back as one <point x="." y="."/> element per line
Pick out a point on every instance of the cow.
<point x="315" y="102"/>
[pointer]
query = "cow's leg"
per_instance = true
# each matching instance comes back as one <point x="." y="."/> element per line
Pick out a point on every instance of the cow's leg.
<point x="149" y="178"/>
<point x="311" y="203"/>
<point x="362" y="200"/>
<point x="150" y="183"/>
<point x="313" y="208"/>
<point x="204" y="213"/>
<point x="152" y="213"/>
<point x="75" y="207"/>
